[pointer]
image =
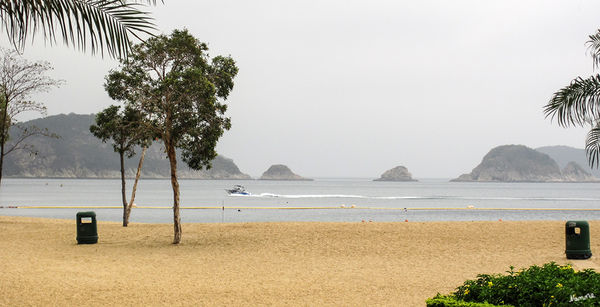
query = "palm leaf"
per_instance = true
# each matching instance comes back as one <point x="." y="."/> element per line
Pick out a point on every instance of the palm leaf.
<point x="594" y="48"/>
<point x="105" y="25"/>
<point x="577" y="104"/>
<point x="592" y="147"/>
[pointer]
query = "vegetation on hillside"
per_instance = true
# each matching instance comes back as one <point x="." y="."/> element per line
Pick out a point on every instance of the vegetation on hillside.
<point x="78" y="154"/>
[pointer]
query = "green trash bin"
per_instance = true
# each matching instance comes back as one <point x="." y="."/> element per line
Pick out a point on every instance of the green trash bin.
<point x="87" y="230"/>
<point x="578" y="240"/>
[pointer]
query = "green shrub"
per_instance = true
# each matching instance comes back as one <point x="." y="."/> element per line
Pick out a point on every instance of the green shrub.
<point x="450" y="301"/>
<point x="548" y="285"/>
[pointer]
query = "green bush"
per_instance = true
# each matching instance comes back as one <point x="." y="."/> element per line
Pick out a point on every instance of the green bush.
<point x="548" y="285"/>
<point x="450" y="301"/>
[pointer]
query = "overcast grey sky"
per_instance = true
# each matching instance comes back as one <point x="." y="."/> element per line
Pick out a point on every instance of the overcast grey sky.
<point x="353" y="88"/>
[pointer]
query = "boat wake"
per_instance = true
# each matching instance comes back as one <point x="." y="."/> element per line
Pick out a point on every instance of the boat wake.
<point x="433" y="197"/>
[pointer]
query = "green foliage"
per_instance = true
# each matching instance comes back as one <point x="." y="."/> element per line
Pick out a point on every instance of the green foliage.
<point x="450" y="301"/>
<point x="172" y="81"/>
<point x="548" y="285"/>
<point x="123" y="128"/>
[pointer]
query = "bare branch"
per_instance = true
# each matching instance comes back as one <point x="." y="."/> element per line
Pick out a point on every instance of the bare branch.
<point x="18" y="142"/>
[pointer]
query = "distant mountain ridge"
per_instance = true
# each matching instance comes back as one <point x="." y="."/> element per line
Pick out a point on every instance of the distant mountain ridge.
<point x="518" y="163"/>
<point x="78" y="154"/>
<point x="565" y="154"/>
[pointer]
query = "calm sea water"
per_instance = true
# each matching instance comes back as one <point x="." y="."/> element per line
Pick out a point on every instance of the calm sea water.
<point x="322" y="200"/>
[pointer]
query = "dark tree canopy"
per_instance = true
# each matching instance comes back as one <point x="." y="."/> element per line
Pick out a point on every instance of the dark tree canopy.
<point x="172" y="81"/>
<point x="123" y="128"/>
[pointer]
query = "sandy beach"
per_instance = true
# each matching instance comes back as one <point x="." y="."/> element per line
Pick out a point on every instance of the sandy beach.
<point x="399" y="264"/>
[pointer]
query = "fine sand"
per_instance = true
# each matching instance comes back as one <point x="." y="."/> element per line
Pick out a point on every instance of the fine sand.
<point x="306" y="264"/>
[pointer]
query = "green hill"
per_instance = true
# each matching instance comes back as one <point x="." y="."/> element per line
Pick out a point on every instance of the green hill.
<point x="78" y="154"/>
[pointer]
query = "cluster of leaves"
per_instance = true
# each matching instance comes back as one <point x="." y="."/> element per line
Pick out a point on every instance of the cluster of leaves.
<point x="180" y="91"/>
<point x="451" y="301"/>
<point x="547" y="285"/>
<point x="123" y="127"/>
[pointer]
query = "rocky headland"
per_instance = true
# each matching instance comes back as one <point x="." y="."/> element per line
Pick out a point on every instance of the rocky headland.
<point x="518" y="163"/>
<point x="576" y="173"/>
<point x="281" y="172"/>
<point x="398" y="173"/>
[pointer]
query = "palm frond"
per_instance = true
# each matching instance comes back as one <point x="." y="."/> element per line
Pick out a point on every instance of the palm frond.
<point x="592" y="146"/>
<point x="105" y="25"/>
<point x="594" y="48"/>
<point x="578" y="104"/>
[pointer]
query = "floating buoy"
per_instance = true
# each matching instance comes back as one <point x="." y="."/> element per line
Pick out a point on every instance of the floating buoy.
<point x="353" y="206"/>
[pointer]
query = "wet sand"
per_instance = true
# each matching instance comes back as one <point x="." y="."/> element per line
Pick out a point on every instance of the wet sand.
<point x="399" y="264"/>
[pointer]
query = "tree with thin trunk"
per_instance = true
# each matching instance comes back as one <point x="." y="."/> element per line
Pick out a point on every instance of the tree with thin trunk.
<point x="104" y="25"/>
<point x="19" y="79"/>
<point x="578" y="104"/>
<point x="179" y="89"/>
<point x="126" y="132"/>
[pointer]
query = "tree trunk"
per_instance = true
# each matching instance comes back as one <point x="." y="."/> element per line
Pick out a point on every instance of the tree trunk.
<point x="2" y="140"/>
<point x="4" y="131"/>
<point x="176" y="218"/>
<point x="123" y="196"/>
<point x="137" y="177"/>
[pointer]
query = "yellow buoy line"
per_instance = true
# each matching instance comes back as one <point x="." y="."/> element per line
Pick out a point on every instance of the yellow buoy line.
<point x="306" y="208"/>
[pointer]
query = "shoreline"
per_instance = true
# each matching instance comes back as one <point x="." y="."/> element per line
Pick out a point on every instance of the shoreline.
<point x="267" y="263"/>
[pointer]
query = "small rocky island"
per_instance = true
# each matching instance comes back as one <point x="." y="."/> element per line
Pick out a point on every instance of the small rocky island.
<point x="518" y="163"/>
<point x="281" y="172"/>
<point x="398" y="173"/>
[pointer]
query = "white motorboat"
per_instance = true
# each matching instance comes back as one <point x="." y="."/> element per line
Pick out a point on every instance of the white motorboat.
<point x="237" y="190"/>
